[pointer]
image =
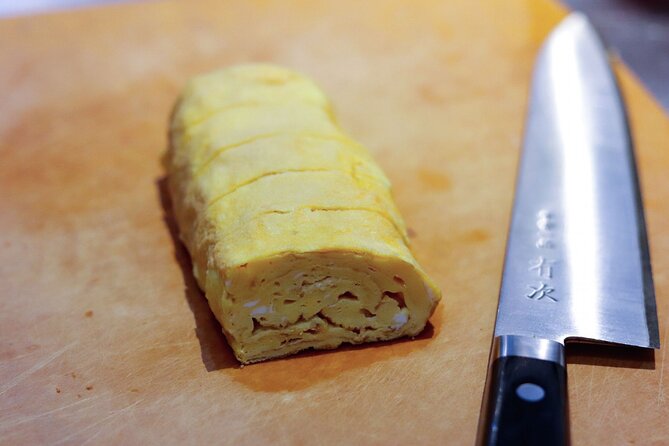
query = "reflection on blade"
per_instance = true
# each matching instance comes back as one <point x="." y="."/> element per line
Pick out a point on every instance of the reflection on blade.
<point x="577" y="257"/>
<point x="581" y="220"/>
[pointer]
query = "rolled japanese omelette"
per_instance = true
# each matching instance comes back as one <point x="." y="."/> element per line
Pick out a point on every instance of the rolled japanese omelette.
<point x="290" y="224"/>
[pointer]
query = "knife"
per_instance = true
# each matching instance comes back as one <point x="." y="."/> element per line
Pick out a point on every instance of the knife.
<point x="577" y="266"/>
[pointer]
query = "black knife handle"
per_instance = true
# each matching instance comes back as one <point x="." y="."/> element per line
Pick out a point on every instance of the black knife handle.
<point x="525" y="403"/>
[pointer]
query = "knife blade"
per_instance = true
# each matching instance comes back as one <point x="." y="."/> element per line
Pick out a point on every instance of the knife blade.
<point x="577" y="265"/>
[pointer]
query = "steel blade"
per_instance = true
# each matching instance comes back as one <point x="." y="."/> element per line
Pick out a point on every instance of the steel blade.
<point x="577" y="263"/>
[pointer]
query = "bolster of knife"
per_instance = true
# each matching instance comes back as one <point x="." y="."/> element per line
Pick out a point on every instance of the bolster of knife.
<point x="525" y="402"/>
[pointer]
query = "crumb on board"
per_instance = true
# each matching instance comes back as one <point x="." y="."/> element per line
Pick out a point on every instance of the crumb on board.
<point x="57" y="389"/>
<point x="89" y="387"/>
<point x="89" y="313"/>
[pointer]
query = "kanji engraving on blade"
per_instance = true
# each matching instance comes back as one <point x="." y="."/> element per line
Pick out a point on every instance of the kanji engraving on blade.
<point x="540" y="292"/>
<point x="543" y="267"/>
<point x="545" y="220"/>
<point x="545" y="243"/>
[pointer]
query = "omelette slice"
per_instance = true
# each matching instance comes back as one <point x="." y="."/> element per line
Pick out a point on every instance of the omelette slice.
<point x="291" y="226"/>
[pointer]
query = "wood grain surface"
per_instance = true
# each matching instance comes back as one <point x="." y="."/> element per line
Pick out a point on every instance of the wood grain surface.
<point x="104" y="336"/>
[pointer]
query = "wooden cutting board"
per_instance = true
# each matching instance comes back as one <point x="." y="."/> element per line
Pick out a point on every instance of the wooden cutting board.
<point x="104" y="336"/>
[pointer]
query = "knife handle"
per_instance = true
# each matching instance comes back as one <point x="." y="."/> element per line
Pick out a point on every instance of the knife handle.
<point x="526" y="396"/>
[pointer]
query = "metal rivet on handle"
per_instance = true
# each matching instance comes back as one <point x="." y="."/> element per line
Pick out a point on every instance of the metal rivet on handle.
<point x="530" y="392"/>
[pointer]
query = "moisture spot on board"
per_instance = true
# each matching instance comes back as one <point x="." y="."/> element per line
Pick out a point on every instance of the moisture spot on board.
<point x="433" y="179"/>
<point x="476" y="235"/>
<point x="430" y="95"/>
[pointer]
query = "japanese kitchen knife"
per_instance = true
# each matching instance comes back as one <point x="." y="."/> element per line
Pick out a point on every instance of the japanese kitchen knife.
<point x="577" y="265"/>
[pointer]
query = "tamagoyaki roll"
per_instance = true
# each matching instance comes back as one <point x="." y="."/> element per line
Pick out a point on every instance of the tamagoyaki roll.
<point x="290" y="224"/>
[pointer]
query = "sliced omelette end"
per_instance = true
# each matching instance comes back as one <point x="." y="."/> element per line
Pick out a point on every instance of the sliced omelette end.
<point x="277" y="306"/>
<point x="315" y="279"/>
